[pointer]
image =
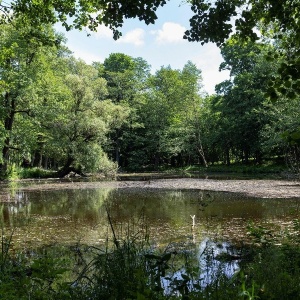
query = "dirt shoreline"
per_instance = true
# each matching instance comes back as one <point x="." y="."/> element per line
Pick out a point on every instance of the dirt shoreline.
<point x="254" y="188"/>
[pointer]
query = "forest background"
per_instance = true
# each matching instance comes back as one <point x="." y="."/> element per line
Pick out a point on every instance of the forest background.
<point x="62" y="114"/>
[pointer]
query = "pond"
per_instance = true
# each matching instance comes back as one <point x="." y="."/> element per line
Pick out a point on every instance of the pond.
<point x="67" y="216"/>
<point x="201" y="235"/>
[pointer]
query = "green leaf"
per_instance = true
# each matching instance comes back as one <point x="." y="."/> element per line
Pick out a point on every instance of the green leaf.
<point x="152" y="256"/>
<point x="166" y="257"/>
<point x="295" y="135"/>
<point x="185" y="277"/>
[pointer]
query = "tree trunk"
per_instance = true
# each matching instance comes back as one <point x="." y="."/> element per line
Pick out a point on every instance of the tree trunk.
<point x="117" y="153"/>
<point x="37" y="159"/>
<point x="9" y="106"/>
<point x="201" y="152"/>
<point x="199" y="145"/>
<point x="246" y="156"/>
<point x="67" y="169"/>
<point x="156" y="161"/>
<point x="227" y="157"/>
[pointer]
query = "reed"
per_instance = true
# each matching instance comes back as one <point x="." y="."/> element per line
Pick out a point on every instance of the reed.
<point x="131" y="268"/>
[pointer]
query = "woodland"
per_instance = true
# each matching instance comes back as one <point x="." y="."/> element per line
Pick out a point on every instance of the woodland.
<point x="60" y="114"/>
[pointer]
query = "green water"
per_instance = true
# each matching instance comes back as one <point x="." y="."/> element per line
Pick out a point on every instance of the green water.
<point x="80" y="215"/>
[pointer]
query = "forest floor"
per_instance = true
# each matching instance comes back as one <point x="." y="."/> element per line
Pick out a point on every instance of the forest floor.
<point x="260" y="188"/>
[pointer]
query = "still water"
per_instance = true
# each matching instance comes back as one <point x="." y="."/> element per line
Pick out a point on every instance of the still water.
<point x="81" y="215"/>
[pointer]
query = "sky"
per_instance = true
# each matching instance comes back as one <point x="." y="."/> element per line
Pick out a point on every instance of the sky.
<point x="160" y="44"/>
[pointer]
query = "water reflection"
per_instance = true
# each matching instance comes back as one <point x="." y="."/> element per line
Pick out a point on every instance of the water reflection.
<point x="16" y="205"/>
<point x="68" y="216"/>
<point x="207" y="267"/>
<point x="211" y="264"/>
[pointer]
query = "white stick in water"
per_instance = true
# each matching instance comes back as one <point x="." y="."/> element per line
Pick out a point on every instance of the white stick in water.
<point x="193" y="218"/>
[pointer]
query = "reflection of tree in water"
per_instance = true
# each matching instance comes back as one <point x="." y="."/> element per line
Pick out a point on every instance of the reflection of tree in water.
<point x="166" y="213"/>
<point x="16" y="210"/>
<point x="77" y="204"/>
<point x="211" y="264"/>
<point x="202" y="264"/>
<point x="158" y="205"/>
<point x="64" y="216"/>
<point x="80" y="214"/>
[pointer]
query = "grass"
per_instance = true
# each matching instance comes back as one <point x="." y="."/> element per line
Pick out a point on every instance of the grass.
<point x="25" y="173"/>
<point x="14" y="173"/>
<point x="132" y="269"/>
<point x="272" y="166"/>
<point x="267" y="167"/>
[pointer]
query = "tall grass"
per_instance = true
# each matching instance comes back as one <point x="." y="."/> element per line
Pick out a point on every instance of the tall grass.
<point x="131" y="268"/>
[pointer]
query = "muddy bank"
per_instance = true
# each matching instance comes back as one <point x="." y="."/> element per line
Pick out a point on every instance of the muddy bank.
<point x="254" y="188"/>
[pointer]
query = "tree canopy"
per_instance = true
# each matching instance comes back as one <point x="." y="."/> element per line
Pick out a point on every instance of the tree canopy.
<point x="63" y="114"/>
<point x="213" y="21"/>
<point x="80" y="14"/>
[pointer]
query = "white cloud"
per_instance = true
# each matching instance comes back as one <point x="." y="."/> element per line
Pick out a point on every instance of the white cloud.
<point x="170" y="33"/>
<point x="88" y="57"/>
<point x="209" y="62"/>
<point x="135" y="37"/>
<point x="103" y="32"/>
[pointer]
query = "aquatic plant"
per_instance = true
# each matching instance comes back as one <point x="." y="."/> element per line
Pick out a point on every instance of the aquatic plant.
<point x="132" y="268"/>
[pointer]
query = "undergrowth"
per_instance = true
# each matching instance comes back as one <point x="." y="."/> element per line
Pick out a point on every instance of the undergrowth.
<point x="131" y="268"/>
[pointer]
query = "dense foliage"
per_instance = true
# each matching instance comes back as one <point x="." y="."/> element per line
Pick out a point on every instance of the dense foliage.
<point x="61" y="114"/>
<point x="79" y="14"/>
<point x="213" y="21"/>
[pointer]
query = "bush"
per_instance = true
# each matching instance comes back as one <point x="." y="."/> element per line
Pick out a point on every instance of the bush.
<point x="35" y="173"/>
